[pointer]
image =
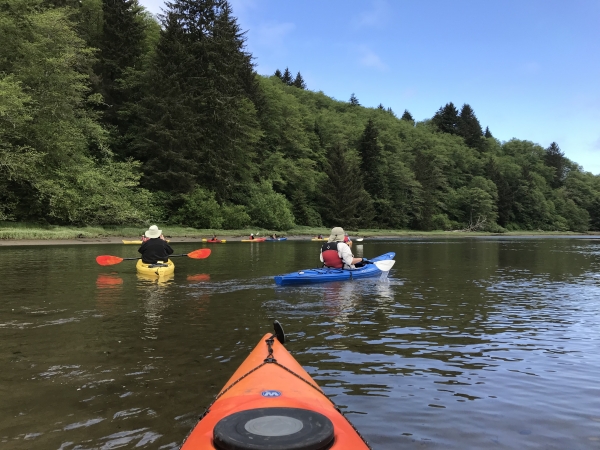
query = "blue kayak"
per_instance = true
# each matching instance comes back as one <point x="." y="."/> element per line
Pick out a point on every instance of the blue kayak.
<point x="326" y="274"/>
<point x="275" y="240"/>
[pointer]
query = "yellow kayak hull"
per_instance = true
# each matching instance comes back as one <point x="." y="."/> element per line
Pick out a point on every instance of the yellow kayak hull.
<point x="135" y="242"/>
<point x="211" y="241"/>
<point x="157" y="272"/>
<point x="317" y="239"/>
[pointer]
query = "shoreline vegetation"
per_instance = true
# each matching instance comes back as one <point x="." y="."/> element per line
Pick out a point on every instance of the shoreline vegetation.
<point x="125" y="118"/>
<point x="31" y="234"/>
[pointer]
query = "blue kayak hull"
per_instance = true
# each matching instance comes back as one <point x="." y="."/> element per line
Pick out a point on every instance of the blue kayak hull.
<point x="276" y="240"/>
<point x="324" y="275"/>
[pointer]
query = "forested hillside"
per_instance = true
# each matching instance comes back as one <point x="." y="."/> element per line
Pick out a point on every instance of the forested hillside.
<point x="109" y="116"/>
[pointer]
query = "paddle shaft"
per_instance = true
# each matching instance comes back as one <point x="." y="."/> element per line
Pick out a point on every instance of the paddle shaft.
<point x="108" y="260"/>
<point x="170" y="256"/>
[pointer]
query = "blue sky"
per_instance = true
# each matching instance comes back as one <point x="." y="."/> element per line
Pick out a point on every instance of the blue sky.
<point x="529" y="69"/>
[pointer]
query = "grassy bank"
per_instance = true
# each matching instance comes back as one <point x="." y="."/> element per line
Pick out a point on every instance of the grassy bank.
<point x="11" y="230"/>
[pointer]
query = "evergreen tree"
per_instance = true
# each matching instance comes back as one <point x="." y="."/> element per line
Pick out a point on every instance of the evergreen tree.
<point x="287" y="77"/>
<point x="555" y="158"/>
<point x="278" y="74"/>
<point x="344" y="200"/>
<point x="381" y="107"/>
<point x="407" y="117"/>
<point x="371" y="163"/>
<point x="200" y="125"/>
<point x="446" y="119"/>
<point x="120" y="49"/>
<point x="488" y="133"/>
<point x="469" y="128"/>
<point x="299" y="82"/>
<point x="391" y="112"/>
<point x="49" y="136"/>
<point x="353" y="100"/>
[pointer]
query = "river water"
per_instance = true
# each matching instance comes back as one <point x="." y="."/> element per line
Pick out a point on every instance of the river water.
<point x="471" y="343"/>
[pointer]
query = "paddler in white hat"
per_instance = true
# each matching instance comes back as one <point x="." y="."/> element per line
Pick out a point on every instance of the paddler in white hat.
<point x="336" y="253"/>
<point x="155" y="247"/>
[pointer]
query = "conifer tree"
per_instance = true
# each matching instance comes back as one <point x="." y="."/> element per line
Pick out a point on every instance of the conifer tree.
<point x="278" y="74"/>
<point x="200" y="125"/>
<point x="299" y="82"/>
<point x="287" y="77"/>
<point x="353" y="100"/>
<point x="488" y="133"/>
<point x="371" y="163"/>
<point x="381" y="107"/>
<point x="446" y="118"/>
<point x="469" y="128"/>
<point x="344" y="200"/>
<point x="407" y="117"/>
<point x="555" y="158"/>
<point x="391" y="112"/>
<point x="120" y="49"/>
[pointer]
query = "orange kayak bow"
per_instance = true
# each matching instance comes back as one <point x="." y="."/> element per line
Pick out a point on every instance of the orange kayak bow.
<point x="271" y="403"/>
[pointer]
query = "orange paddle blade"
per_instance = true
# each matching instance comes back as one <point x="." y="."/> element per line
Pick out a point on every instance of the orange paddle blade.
<point x="200" y="254"/>
<point x="107" y="260"/>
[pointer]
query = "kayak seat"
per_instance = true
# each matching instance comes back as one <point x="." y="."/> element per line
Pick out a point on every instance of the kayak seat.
<point x="274" y="429"/>
<point x="152" y="266"/>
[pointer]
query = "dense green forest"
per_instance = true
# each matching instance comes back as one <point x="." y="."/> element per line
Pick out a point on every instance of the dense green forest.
<point x="111" y="116"/>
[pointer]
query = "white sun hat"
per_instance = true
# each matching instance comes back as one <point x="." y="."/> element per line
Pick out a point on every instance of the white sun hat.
<point x="153" y="232"/>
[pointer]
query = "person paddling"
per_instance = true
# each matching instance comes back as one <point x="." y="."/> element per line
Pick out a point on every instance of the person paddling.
<point x="347" y="240"/>
<point x="251" y="236"/>
<point x="337" y="254"/>
<point x="155" y="247"/>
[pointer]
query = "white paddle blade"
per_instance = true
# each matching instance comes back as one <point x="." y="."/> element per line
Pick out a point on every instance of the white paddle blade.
<point x="359" y="239"/>
<point x="386" y="265"/>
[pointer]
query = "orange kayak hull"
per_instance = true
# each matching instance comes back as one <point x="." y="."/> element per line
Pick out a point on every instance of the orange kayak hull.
<point x="257" y="384"/>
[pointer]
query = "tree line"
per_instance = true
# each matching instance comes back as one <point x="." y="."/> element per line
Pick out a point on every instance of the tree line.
<point x="109" y="115"/>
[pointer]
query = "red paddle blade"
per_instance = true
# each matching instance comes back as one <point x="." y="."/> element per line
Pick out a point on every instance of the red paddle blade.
<point x="200" y="254"/>
<point x="107" y="260"/>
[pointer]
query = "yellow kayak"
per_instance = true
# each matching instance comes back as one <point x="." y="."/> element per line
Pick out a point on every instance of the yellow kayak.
<point x="214" y="241"/>
<point x="318" y="239"/>
<point x="135" y="242"/>
<point x="155" y="270"/>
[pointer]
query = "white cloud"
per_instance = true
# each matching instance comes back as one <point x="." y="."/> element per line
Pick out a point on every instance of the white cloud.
<point x="242" y="5"/>
<point x="378" y="15"/>
<point x="272" y="35"/>
<point x="369" y="58"/>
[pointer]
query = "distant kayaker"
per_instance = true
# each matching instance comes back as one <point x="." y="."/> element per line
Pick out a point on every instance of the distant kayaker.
<point x="320" y="236"/>
<point x="155" y="247"/>
<point x="274" y="236"/>
<point x="336" y="253"/>
<point x="251" y="236"/>
<point x="347" y="240"/>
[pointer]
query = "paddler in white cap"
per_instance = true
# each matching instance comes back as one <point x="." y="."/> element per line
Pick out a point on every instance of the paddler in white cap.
<point x="336" y="253"/>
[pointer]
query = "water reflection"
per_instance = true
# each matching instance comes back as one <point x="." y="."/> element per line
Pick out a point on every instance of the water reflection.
<point x="200" y="277"/>
<point x="109" y="289"/>
<point x="468" y="344"/>
<point x="146" y="280"/>
<point x="155" y="292"/>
